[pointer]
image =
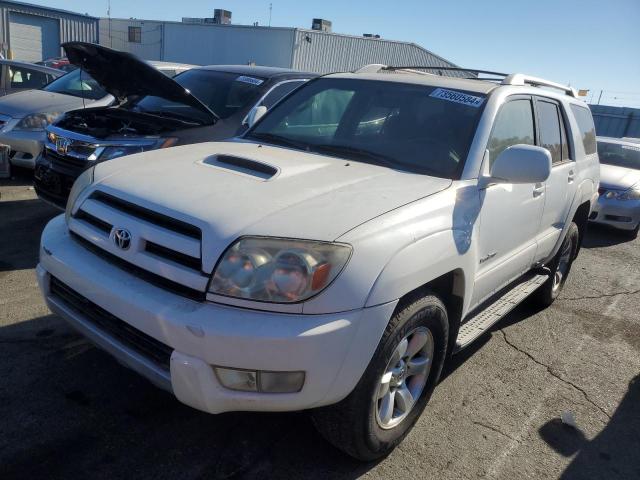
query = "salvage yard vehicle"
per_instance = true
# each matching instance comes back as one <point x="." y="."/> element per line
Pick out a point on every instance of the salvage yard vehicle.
<point x="360" y="233"/>
<point x="16" y="76"/>
<point x="152" y="112"/>
<point x="25" y="115"/>
<point x="619" y="201"/>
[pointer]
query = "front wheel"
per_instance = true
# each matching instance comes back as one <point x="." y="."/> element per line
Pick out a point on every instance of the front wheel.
<point x="396" y="386"/>
<point x="560" y="267"/>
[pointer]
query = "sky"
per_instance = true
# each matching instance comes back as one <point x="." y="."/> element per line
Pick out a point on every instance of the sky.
<point x="589" y="44"/>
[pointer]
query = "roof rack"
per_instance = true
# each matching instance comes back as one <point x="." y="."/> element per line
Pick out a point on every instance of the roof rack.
<point x="522" y="79"/>
<point x="507" y="79"/>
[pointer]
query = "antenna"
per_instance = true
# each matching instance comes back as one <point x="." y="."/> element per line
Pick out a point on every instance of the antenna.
<point x="270" y="10"/>
<point x="82" y="88"/>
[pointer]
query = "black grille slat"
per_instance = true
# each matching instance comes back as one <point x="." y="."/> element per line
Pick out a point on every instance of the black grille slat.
<point x="148" y="215"/>
<point x="172" y="255"/>
<point x="154" y="350"/>
<point x="67" y="161"/>
<point x="96" y="222"/>
<point x="152" y="278"/>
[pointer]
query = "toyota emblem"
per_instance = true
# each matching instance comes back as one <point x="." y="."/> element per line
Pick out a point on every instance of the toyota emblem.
<point x="122" y="238"/>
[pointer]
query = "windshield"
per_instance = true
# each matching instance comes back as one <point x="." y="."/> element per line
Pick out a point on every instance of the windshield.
<point x="224" y="93"/>
<point x="78" y="84"/>
<point x="619" y="155"/>
<point x="404" y="126"/>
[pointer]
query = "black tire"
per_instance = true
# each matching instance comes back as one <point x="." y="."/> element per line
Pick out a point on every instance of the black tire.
<point x="352" y="425"/>
<point x="549" y="291"/>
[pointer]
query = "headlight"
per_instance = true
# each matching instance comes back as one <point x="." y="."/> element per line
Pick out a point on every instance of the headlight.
<point x="278" y="270"/>
<point x="82" y="182"/>
<point x="631" y="194"/>
<point x="37" y="121"/>
<point x="109" y="153"/>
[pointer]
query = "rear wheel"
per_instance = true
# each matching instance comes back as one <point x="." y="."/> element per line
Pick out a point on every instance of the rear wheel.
<point x="560" y="268"/>
<point x="396" y="386"/>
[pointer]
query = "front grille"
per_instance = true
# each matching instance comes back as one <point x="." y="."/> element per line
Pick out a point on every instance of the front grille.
<point x="66" y="160"/>
<point x="147" y="276"/>
<point x="148" y="215"/>
<point x="169" y="254"/>
<point x="131" y="337"/>
<point x="96" y="222"/>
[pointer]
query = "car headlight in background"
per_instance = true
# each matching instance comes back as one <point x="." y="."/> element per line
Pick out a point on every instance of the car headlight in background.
<point x="82" y="182"/>
<point x="278" y="270"/>
<point x="111" y="152"/>
<point x="37" y="121"/>
<point x="631" y="194"/>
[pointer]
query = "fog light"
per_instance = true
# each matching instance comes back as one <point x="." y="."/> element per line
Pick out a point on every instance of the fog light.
<point x="244" y="380"/>
<point x="280" y="382"/>
<point x="260" y="381"/>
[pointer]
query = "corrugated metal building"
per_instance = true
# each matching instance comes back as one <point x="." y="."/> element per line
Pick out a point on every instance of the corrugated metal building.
<point x="616" y="121"/>
<point x="297" y="48"/>
<point x="32" y="33"/>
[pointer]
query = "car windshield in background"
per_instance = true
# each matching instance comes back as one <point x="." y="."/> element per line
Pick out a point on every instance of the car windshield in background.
<point x="224" y="93"/>
<point x="78" y="84"/>
<point x="619" y="155"/>
<point x="404" y="126"/>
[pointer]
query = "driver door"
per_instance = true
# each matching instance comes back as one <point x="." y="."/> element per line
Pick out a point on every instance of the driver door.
<point x="510" y="213"/>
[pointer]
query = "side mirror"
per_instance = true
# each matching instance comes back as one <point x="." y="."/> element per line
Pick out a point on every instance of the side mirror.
<point x="255" y="114"/>
<point x="521" y="164"/>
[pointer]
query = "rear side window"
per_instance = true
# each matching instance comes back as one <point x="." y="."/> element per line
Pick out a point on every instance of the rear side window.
<point x="552" y="134"/>
<point x="278" y="92"/>
<point x="513" y="125"/>
<point x="26" y="78"/>
<point x="587" y="128"/>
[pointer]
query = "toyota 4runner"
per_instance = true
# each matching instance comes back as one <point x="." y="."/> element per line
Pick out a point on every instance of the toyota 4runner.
<point x="334" y="257"/>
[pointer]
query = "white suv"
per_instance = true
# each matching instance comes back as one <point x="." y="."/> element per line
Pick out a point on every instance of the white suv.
<point x="361" y="232"/>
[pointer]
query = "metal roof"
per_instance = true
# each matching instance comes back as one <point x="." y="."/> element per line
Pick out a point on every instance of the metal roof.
<point x="478" y="86"/>
<point x="41" y="7"/>
<point x="33" y="66"/>
<point x="254" y="70"/>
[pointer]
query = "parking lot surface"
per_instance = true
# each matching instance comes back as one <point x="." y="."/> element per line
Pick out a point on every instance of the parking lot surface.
<point x="68" y="410"/>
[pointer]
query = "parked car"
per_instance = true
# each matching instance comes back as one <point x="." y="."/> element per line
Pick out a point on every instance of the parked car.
<point x="619" y="201"/>
<point x="24" y="115"/>
<point x="17" y="76"/>
<point x="362" y="231"/>
<point x="61" y="63"/>
<point x="152" y="111"/>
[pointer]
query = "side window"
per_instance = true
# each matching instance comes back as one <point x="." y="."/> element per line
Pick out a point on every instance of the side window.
<point x="551" y="137"/>
<point x="26" y="78"/>
<point x="513" y="125"/>
<point x="587" y="129"/>
<point x="278" y="92"/>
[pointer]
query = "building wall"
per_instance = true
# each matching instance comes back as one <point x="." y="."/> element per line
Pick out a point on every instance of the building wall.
<point x="71" y="26"/>
<point x="616" y="121"/>
<point x="329" y="52"/>
<point x="114" y="33"/>
<point x="228" y="44"/>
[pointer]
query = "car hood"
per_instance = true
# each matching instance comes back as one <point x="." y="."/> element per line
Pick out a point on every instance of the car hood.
<point x="618" y="178"/>
<point x="20" y="104"/>
<point x="124" y="75"/>
<point x="310" y="196"/>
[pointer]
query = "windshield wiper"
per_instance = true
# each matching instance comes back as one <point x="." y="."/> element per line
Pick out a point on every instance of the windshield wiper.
<point x="177" y="116"/>
<point x="279" y="140"/>
<point x="359" y="153"/>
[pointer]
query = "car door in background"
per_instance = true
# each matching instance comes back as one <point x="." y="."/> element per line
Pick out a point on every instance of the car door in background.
<point x="560" y="187"/>
<point x="510" y="213"/>
<point x="21" y="78"/>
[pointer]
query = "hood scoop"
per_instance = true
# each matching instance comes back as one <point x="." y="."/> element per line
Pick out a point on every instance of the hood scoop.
<point x="245" y="166"/>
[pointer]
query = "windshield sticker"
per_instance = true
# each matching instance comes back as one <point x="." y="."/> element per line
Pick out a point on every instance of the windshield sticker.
<point x="630" y="147"/>
<point x="453" y="96"/>
<point x="251" y="80"/>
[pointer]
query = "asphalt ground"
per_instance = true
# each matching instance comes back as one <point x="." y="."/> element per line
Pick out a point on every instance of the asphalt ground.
<point x="69" y="410"/>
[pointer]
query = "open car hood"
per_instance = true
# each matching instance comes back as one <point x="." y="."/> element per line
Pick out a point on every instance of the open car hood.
<point x="124" y="75"/>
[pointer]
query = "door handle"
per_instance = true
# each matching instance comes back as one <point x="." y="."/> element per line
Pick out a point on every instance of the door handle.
<point x="571" y="176"/>
<point x="538" y="189"/>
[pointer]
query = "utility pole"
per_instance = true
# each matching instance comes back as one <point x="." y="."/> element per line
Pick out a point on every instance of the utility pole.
<point x="599" y="97"/>
<point x="270" y="10"/>
<point x="109" y="17"/>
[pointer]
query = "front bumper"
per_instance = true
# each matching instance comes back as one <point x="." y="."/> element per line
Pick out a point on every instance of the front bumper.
<point x="26" y="146"/>
<point x="333" y="350"/>
<point x="622" y="214"/>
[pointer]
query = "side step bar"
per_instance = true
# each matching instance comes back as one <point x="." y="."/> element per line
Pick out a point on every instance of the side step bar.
<point x="484" y="319"/>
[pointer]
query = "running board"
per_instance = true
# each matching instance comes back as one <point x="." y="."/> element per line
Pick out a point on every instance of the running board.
<point x="484" y="319"/>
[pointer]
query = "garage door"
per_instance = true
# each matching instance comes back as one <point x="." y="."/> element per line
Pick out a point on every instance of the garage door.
<point x="32" y="37"/>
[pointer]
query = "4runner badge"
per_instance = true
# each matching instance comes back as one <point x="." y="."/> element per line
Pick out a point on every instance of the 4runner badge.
<point x="122" y="238"/>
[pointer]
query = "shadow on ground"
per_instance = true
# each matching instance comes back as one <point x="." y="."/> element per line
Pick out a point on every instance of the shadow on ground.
<point x="599" y="236"/>
<point x="613" y="453"/>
